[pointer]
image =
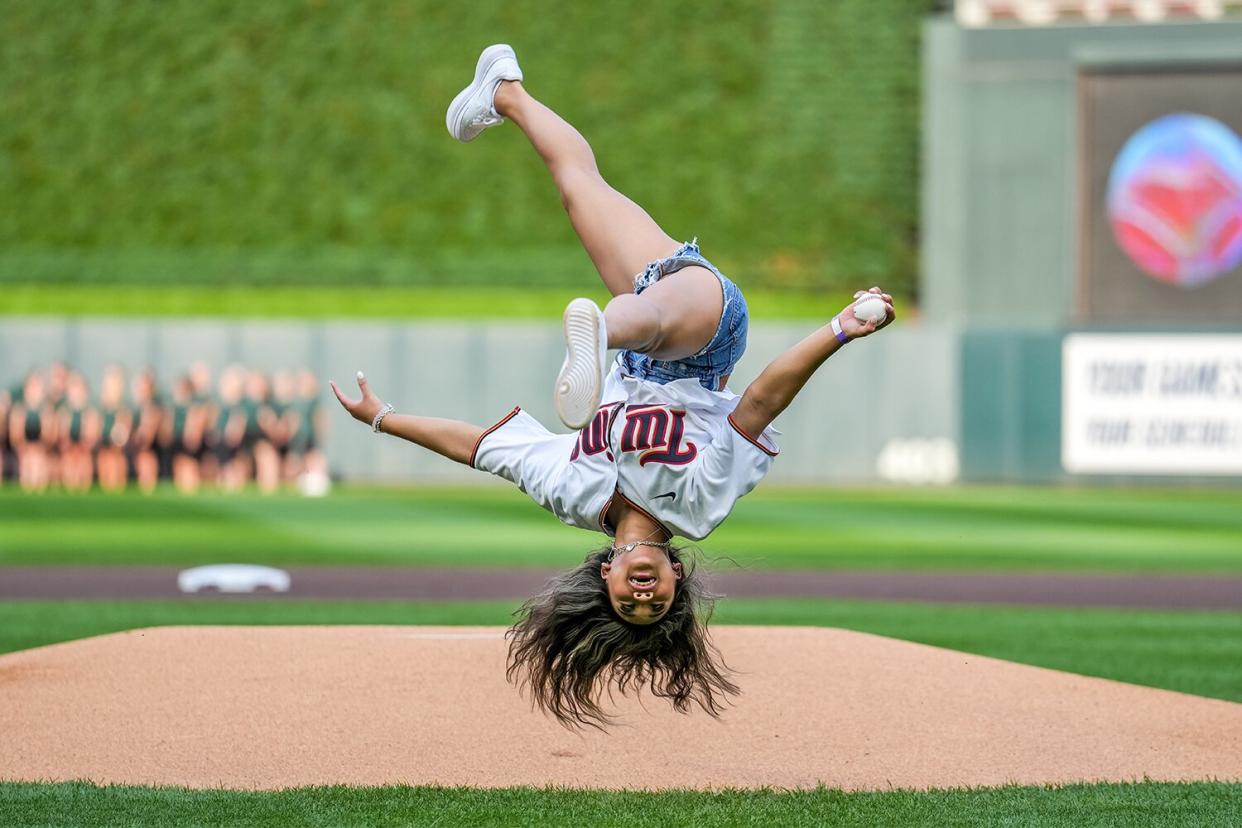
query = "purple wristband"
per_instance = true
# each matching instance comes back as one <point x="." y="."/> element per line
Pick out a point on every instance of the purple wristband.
<point x="841" y="336"/>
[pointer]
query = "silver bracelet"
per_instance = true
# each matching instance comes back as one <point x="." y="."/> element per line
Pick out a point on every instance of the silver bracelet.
<point x="379" y="417"/>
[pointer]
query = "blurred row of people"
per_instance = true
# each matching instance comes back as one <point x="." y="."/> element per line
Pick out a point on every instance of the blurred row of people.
<point x="243" y="427"/>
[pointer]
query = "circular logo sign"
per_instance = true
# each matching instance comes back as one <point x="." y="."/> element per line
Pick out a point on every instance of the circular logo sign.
<point x="1175" y="199"/>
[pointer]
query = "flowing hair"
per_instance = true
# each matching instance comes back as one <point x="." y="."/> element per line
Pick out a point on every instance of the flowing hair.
<point x="568" y="647"/>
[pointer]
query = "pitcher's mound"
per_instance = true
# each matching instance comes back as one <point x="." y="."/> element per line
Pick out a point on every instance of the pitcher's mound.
<point x="270" y="707"/>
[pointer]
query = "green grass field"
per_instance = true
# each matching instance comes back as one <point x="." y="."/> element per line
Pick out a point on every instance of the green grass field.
<point x="952" y="529"/>
<point x="1150" y="804"/>
<point x="376" y="302"/>
<point x="964" y="529"/>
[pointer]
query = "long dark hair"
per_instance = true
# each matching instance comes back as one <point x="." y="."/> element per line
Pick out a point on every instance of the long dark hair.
<point x="568" y="647"/>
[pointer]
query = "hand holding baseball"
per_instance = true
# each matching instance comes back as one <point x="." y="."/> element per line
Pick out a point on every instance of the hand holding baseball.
<point x="871" y="310"/>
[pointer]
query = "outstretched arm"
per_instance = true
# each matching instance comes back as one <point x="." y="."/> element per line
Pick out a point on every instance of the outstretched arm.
<point x="450" y="438"/>
<point x="775" y="388"/>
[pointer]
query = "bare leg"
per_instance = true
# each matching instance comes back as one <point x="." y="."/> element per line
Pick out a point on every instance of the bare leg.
<point x="236" y="473"/>
<point x="210" y="469"/>
<point x="111" y="469"/>
<point x="76" y="475"/>
<point x="185" y="474"/>
<point x="618" y="235"/>
<point x="32" y="468"/>
<point x="672" y="319"/>
<point x="147" y="470"/>
<point x="266" y="467"/>
<point x="315" y="463"/>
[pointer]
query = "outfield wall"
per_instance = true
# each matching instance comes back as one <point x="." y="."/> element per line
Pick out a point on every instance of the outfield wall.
<point x="1001" y="168"/>
<point x="899" y="386"/>
<point x="1011" y="152"/>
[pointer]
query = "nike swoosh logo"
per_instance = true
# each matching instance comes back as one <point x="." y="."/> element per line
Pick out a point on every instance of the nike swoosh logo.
<point x="669" y="495"/>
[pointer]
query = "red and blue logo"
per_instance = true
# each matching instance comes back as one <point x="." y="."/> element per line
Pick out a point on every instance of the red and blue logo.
<point x="1175" y="199"/>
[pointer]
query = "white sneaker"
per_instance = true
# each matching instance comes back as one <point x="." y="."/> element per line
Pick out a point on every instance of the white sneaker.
<point x="474" y="110"/>
<point x="581" y="381"/>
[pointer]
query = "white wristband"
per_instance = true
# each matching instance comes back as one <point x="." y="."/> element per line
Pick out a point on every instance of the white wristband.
<point x="840" y="334"/>
<point x="379" y="417"/>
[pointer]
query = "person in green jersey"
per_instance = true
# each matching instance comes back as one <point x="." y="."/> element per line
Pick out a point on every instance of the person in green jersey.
<point x="148" y="417"/>
<point x="181" y="436"/>
<point x="261" y="427"/>
<point x="116" y="423"/>
<point x="306" y="461"/>
<point x="229" y="447"/>
<point x="32" y="432"/>
<point x="79" y="435"/>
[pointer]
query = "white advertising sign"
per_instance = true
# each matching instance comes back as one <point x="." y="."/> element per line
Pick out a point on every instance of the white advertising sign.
<point x="1161" y="404"/>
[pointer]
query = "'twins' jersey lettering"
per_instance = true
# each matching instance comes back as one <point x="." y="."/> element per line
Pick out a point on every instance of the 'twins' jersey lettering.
<point x="670" y="449"/>
<point x="593" y="438"/>
<point x="654" y="431"/>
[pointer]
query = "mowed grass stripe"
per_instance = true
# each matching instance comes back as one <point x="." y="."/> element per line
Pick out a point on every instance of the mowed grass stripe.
<point x="1154" y="804"/>
<point x="534" y="303"/>
<point x="1191" y="652"/>
<point x="965" y="529"/>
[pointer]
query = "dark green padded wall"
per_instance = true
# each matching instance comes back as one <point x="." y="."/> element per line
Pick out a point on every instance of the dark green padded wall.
<point x="1011" y="406"/>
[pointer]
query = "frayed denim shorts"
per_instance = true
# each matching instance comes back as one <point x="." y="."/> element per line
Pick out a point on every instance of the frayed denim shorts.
<point x="716" y="361"/>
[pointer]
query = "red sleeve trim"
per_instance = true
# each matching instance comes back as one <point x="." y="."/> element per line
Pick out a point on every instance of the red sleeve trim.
<point x="755" y="442"/>
<point x="602" y="520"/>
<point x="474" y="451"/>
<point x="650" y="516"/>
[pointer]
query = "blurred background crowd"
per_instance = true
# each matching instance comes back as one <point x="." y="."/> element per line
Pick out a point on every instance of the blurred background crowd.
<point x="243" y="426"/>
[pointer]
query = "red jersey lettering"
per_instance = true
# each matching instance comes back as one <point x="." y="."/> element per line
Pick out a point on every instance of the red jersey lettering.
<point x="593" y="438"/>
<point x="656" y="432"/>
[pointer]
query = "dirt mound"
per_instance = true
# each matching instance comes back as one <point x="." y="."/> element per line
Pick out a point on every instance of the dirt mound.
<point x="272" y="707"/>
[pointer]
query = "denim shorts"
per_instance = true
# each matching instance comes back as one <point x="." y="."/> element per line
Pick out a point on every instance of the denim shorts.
<point x="716" y="361"/>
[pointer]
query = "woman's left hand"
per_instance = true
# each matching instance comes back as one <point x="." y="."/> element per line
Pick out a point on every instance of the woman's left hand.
<point x="363" y="410"/>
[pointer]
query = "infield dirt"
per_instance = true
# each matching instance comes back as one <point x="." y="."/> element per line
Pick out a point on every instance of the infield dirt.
<point x="274" y="707"/>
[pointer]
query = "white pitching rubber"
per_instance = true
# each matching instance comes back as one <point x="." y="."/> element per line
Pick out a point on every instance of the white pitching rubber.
<point x="581" y="381"/>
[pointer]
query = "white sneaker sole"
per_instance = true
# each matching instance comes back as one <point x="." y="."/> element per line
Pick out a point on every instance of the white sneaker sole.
<point x="490" y="56"/>
<point x="581" y="381"/>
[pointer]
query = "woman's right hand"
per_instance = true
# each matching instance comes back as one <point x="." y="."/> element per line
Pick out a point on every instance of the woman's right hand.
<point x="854" y="327"/>
<point x="363" y="410"/>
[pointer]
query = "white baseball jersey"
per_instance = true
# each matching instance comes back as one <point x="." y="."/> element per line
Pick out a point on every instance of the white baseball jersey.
<point x="671" y="450"/>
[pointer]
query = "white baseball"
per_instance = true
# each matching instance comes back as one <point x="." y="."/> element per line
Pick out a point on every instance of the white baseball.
<point x="870" y="309"/>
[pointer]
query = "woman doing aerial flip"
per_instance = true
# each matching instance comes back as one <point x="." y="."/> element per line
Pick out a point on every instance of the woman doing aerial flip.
<point x="663" y="449"/>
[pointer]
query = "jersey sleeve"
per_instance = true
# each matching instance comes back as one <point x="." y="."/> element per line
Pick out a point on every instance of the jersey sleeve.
<point x="522" y="451"/>
<point x="728" y="469"/>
